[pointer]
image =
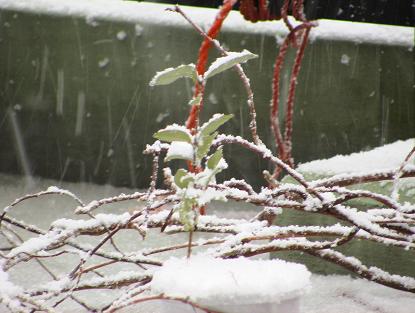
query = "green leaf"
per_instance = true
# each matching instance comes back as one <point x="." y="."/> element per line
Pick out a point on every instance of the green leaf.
<point x="204" y="145"/>
<point x="214" y="123"/>
<point x="181" y="179"/>
<point x="171" y="74"/>
<point x="214" y="159"/>
<point x="226" y="62"/>
<point x="173" y="133"/>
<point x="195" y="101"/>
<point x="186" y="214"/>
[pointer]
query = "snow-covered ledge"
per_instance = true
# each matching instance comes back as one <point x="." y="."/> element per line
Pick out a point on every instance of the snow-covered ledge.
<point x="154" y="13"/>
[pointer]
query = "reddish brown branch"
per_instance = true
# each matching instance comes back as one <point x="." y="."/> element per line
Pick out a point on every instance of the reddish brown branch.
<point x="343" y="180"/>
<point x="291" y="95"/>
<point x="298" y="10"/>
<point x="284" y="145"/>
<point x="266" y="155"/>
<point x="372" y="274"/>
<point x="275" y="124"/>
<point x="284" y="14"/>
<point x="214" y="30"/>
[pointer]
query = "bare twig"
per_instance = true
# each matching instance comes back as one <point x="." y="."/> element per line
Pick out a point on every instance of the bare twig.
<point x="238" y="68"/>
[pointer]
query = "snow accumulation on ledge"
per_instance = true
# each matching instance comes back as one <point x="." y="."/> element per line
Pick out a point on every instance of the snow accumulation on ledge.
<point x="390" y="156"/>
<point x="153" y="13"/>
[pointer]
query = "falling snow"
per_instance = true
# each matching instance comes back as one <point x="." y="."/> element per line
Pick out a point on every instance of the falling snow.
<point x="345" y="59"/>
<point x="121" y="35"/>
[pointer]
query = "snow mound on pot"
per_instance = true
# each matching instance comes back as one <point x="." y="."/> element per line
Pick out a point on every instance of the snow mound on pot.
<point x="245" y="281"/>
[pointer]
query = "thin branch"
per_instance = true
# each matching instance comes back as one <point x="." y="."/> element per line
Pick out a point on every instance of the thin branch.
<point x="167" y="298"/>
<point x="289" y="111"/>
<point x="266" y="155"/>
<point x="342" y="180"/>
<point x="371" y="273"/>
<point x="50" y="191"/>
<point x="237" y="67"/>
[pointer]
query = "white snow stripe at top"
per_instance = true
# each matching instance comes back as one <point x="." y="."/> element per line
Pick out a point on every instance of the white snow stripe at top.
<point x="152" y="13"/>
<point x="390" y="156"/>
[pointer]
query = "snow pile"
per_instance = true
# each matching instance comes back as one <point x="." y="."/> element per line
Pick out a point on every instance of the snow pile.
<point x="386" y="157"/>
<point x="205" y="279"/>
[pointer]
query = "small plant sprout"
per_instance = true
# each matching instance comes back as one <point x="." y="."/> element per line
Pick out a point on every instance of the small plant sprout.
<point x="192" y="186"/>
<point x="194" y="147"/>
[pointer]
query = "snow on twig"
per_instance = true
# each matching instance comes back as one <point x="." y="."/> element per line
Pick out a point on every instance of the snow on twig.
<point x="52" y="190"/>
<point x="371" y="273"/>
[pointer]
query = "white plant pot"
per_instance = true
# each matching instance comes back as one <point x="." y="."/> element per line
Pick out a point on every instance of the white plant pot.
<point x="286" y="306"/>
<point x="231" y="286"/>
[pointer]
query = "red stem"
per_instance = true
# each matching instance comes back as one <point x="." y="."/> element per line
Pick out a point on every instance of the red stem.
<point x="263" y="10"/>
<point x="213" y="32"/>
<point x="247" y="9"/>
<point x="275" y="125"/>
<point x="284" y="14"/>
<point x="291" y="93"/>
<point x="298" y="10"/>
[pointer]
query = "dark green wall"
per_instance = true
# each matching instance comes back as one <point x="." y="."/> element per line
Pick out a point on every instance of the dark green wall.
<point x="77" y="120"/>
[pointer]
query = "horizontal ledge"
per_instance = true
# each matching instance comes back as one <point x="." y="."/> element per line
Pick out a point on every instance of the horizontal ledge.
<point x="154" y="13"/>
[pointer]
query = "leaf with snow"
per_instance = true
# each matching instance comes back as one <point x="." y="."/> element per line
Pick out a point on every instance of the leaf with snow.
<point x="180" y="150"/>
<point x="172" y="74"/>
<point x="174" y="133"/>
<point x="214" y="123"/>
<point x="181" y="179"/>
<point x="204" y="145"/>
<point x="214" y="159"/>
<point x="186" y="213"/>
<point x="226" y="62"/>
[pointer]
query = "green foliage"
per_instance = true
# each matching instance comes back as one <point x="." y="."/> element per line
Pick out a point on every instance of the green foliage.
<point x="171" y="135"/>
<point x="187" y="214"/>
<point x="204" y="145"/>
<point x="182" y="178"/>
<point x="191" y="186"/>
<point x="214" y="123"/>
<point x="220" y="65"/>
<point x="213" y="161"/>
<point x="170" y="75"/>
<point x="226" y="62"/>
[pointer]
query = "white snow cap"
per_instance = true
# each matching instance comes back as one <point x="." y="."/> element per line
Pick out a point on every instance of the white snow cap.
<point x="203" y="278"/>
<point x="180" y="149"/>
